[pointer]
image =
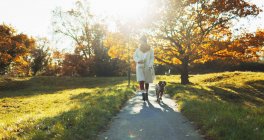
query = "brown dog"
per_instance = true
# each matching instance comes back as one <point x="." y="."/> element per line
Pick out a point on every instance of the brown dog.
<point x="160" y="88"/>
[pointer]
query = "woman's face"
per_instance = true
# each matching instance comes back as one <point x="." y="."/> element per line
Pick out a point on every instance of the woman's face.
<point x="143" y="42"/>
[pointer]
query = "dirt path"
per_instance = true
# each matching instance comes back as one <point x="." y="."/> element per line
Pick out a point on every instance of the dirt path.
<point x="140" y="120"/>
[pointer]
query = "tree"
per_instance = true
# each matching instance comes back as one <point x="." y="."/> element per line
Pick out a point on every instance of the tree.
<point x="57" y="58"/>
<point x="14" y="48"/>
<point x="196" y="31"/>
<point x="87" y="32"/>
<point x="81" y="26"/>
<point x="120" y="47"/>
<point x="72" y="65"/>
<point x="41" y="55"/>
<point x="248" y="47"/>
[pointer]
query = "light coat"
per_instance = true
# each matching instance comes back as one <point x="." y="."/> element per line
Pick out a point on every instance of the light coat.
<point x="144" y="72"/>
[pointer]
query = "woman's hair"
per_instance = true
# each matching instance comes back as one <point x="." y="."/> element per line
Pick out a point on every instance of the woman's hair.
<point x="144" y="47"/>
<point x="144" y="39"/>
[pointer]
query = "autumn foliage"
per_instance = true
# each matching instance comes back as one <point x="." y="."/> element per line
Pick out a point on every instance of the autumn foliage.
<point x="194" y="31"/>
<point x="14" y="48"/>
<point x="120" y="47"/>
<point x="197" y="31"/>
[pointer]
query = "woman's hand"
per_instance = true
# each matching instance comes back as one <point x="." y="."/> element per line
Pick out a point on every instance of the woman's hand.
<point x="140" y="62"/>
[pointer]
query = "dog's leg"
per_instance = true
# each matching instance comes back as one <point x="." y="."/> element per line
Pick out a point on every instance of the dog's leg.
<point x="156" y="92"/>
<point x="161" y="93"/>
<point x="158" y="96"/>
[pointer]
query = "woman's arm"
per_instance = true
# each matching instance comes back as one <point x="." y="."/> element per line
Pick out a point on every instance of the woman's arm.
<point x="136" y="57"/>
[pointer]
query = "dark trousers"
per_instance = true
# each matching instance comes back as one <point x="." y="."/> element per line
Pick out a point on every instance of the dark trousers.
<point x="142" y="83"/>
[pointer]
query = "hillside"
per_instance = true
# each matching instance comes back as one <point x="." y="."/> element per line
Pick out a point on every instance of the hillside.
<point x="223" y="106"/>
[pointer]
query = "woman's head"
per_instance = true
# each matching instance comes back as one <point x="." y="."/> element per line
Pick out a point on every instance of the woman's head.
<point x="143" y="40"/>
<point x="144" y="47"/>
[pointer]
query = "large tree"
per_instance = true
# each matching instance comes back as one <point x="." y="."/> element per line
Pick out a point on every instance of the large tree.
<point x="193" y="31"/>
<point x="14" y="47"/>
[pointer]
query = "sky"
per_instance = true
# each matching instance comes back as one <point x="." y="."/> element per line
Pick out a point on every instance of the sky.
<point x="30" y="16"/>
<point x="33" y="17"/>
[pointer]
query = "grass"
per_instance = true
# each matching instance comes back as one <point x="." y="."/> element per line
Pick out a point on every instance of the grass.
<point x="59" y="107"/>
<point x="223" y="106"/>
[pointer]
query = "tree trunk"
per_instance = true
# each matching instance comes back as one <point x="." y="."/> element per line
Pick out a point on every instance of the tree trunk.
<point x="185" y="71"/>
<point x="85" y="55"/>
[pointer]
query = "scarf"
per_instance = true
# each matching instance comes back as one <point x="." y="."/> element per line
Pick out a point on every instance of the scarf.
<point x="144" y="48"/>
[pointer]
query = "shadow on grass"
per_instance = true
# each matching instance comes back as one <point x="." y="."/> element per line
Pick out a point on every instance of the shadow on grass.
<point x="44" y="85"/>
<point x="188" y="91"/>
<point x="251" y="93"/>
<point x="85" y="122"/>
<point x="223" y="111"/>
<point x="258" y="86"/>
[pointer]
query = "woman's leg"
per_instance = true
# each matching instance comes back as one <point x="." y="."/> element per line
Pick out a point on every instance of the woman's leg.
<point x="141" y="85"/>
<point x="147" y="88"/>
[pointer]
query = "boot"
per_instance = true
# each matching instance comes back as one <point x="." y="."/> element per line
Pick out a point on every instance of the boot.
<point x="146" y="96"/>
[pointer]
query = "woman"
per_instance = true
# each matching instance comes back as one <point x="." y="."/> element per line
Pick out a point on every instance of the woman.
<point x="144" y="58"/>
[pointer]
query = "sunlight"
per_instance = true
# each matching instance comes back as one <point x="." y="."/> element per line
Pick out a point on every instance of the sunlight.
<point x="124" y="10"/>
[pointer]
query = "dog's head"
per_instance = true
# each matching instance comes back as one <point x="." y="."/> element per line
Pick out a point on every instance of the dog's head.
<point x="162" y="84"/>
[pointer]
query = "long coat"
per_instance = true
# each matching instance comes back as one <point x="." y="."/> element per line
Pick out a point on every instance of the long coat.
<point x="144" y="72"/>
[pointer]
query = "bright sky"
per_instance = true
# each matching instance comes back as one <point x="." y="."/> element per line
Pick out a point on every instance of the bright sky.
<point x="33" y="17"/>
<point x="30" y="16"/>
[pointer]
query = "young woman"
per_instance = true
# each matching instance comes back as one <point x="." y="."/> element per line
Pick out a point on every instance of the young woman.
<point x="144" y="58"/>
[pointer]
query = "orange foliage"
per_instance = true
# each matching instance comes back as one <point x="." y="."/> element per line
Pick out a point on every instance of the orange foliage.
<point x="14" y="48"/>
<point x="198" y="31"/>
<point x="119" y="46"/>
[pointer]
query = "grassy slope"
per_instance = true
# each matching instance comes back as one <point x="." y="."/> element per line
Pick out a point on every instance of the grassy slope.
<point x="224" y="106"/>
<point x="61" y="108"/>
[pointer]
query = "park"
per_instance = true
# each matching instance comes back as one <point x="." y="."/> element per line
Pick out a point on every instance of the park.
<point x="69" y="70"/>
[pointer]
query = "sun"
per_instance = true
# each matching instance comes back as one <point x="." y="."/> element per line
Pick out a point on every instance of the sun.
<point x="125" y="10"/>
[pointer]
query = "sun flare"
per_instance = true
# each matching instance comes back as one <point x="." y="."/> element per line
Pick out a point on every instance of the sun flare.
<point x="121" y="9"/>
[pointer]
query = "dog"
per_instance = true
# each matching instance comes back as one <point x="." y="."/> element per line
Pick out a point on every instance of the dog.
<point x="160" y="89"/>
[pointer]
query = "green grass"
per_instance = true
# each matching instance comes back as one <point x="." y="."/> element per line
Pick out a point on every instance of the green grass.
<point x="59" y="107"/>
<point x="223" y="106"/>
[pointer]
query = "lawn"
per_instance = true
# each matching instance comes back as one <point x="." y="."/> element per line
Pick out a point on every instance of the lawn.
<point x="59" y="107"/>
<point x="223" y="106"/>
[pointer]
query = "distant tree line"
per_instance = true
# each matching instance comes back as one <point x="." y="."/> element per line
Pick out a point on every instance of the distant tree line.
<point x="26" y="56"/>
<point x="213" y="67"/>
<point x="21" y="55"/>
